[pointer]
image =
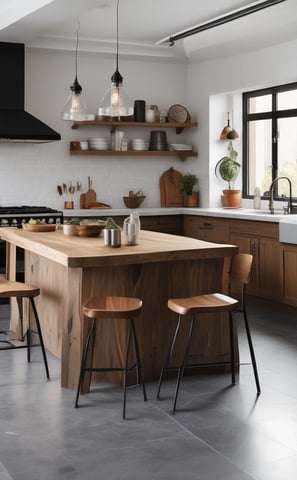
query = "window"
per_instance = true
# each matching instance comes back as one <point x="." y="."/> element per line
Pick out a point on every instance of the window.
<point x="270" y="140"/>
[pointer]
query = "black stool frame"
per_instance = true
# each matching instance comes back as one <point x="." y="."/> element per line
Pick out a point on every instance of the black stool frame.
<point x="8" y="343"/>
<point x="180" y="369"/>
<point x="90" y="341"/>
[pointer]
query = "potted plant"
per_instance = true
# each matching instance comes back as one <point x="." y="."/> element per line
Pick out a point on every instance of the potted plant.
<point x="189" y="180"/>
<point x="228" y="169"/>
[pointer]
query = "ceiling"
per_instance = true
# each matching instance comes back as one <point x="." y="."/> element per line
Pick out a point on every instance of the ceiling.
<point x="52" y="24"/>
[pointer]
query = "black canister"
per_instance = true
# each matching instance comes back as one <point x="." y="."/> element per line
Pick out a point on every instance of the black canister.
<point x="139" y="111"/>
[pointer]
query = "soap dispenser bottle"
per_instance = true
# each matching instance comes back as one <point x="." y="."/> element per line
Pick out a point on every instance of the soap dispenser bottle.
<point x="131" y="227"/>
<point x="257" y="198"/>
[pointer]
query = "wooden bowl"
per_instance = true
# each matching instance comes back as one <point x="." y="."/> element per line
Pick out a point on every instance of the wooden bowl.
<point x="90" y="230"/>
<point x="133" y="202"/>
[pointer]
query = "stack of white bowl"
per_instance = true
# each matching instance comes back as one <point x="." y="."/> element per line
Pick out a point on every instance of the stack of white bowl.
<point x="98" y="143"/>
<point x="139" y="144"/>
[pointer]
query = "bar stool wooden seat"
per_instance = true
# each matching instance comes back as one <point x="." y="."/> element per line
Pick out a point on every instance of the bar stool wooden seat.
<point x="8" y="341"/>
<point x="212" y="303"/>
<point x="105" y="308"/>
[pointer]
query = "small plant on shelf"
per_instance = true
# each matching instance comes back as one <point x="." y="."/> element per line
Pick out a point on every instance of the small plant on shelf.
<point x="189" y="180"/>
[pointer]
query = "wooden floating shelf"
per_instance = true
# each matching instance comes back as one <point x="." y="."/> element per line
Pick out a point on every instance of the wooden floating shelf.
<point x="182" y="154"/>
<point x="113" y="123"/>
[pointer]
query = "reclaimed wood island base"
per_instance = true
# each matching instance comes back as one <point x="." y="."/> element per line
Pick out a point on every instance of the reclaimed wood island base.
<point x="69" y="270"/>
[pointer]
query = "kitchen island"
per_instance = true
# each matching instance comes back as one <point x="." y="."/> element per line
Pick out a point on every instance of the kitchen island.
<point x="69" y="270"/>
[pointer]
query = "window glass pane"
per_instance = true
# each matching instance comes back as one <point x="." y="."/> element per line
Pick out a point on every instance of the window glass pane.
<point x="260" y="104"/>
<point x="260" y="160"/>
<point x="287" y="100"/>
<point x="287" y="154"/>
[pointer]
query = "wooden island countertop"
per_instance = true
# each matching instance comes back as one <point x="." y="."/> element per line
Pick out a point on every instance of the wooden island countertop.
<point x="69" y="270"/>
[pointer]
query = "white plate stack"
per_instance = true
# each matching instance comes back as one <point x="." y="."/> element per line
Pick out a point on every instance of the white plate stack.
<point x="139" y="144"/>
<point x="98" y="143"/>
<point x="181" y="146"/>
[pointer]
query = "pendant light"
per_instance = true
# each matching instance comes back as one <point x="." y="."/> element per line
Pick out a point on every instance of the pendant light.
<point x="75" y="108"/>
<point x="228" y="133"/>
<point x="115" y="102"/>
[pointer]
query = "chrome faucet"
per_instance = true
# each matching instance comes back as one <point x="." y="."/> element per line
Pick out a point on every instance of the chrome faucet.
<point x="271" y="207"/>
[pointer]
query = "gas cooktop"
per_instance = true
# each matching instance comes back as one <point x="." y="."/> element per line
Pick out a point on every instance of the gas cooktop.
<point x="26" y="209"/>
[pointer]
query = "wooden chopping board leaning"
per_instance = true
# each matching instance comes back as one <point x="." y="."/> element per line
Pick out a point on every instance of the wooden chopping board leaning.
<point x="171" y="189"/>
<point x="88" y="199"/>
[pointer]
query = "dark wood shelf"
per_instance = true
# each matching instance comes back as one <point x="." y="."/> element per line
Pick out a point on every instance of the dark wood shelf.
<point x="182" y="154"/>
<point x="113" y="123"/>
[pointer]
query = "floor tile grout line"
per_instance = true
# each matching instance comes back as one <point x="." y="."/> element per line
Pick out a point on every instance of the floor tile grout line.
<point x="191" y="434"/>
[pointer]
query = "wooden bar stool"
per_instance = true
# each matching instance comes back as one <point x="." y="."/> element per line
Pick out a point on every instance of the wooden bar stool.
<point x="104" y="308"/>
<point x="19" y="290"/>
<point x="212" y="303"/>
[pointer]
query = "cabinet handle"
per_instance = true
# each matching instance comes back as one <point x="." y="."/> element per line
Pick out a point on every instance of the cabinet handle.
<point x="206" y="226"/>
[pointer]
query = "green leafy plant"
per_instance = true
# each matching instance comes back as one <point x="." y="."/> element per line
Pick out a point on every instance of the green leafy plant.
<point x="228" y="168"/>
<point x="110" y="224"/>
<point x="189" y="180"/>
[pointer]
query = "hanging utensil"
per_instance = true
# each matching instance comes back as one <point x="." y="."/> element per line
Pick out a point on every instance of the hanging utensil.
<point x="59" y="188"/>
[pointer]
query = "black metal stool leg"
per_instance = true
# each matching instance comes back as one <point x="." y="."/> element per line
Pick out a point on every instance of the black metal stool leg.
<point x="138" y="360"/>
<point x="40" y="336"/>
<point x="183" y="363"/>
<point x="126" y="370"/>
<point x="168" y="357"/>
<point x="91" y="332"/>
<point x="252" y="353"/>
<point x="232" y="348"/>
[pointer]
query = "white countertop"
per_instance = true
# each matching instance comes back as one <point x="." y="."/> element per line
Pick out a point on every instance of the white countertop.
<point x="239" y="213"/>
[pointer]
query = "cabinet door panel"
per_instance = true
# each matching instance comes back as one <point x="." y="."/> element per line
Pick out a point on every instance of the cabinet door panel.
<point x="289" y="290"/>
<point x="270" y="269"/>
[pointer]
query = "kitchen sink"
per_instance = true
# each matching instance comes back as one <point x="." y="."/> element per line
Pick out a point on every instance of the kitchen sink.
<point x="288" y="229"/>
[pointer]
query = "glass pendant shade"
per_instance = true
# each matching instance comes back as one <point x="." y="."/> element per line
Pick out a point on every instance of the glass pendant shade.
<point x="75" y="108"/>
<point x="115" y="102"/>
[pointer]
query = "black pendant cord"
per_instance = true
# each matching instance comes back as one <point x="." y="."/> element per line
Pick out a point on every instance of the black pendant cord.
<point x="117" y="60"/>
<point x="117" y="78"/>
<point x="75" y="87"/>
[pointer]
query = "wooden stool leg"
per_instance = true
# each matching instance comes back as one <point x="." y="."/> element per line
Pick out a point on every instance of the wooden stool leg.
<point x="183" y="363"/>
<point x="40" y="336"/>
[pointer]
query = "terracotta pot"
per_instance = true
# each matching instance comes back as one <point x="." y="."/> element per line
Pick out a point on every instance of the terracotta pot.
<point x="192" y="200"/>
<point x="231" y="198"/>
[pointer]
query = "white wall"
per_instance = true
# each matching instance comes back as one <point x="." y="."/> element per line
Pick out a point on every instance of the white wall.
<point x="218" y="84"/>
<point x="30" y="173"/>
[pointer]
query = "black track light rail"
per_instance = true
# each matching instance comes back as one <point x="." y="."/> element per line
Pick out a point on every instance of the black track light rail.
<point x="224" y="19"/>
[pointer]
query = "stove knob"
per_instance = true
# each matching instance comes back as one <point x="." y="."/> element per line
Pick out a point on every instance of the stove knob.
<point x="4" y="222"/>
<point x="14" y="222"/>
<point x="50" y="220"/>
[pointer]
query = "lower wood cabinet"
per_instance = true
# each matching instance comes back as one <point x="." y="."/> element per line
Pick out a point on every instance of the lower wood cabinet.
<point x="258" y="238"/>
<point x="206" y="228"/>
<point x="289" y="278"/>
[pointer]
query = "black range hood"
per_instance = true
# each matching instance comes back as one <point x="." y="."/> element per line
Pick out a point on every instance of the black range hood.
<point x="17" y="125"/>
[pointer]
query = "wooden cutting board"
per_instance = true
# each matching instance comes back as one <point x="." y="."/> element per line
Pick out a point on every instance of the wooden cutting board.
<point x="171" y="189"/>
<point x="90" y="195"/>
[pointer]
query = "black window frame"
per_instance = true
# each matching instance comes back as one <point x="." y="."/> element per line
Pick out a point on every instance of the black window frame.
<point x="274" y="115"/>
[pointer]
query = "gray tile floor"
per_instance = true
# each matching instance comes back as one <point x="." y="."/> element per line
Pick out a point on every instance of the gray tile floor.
<point x="218" y="433"/>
